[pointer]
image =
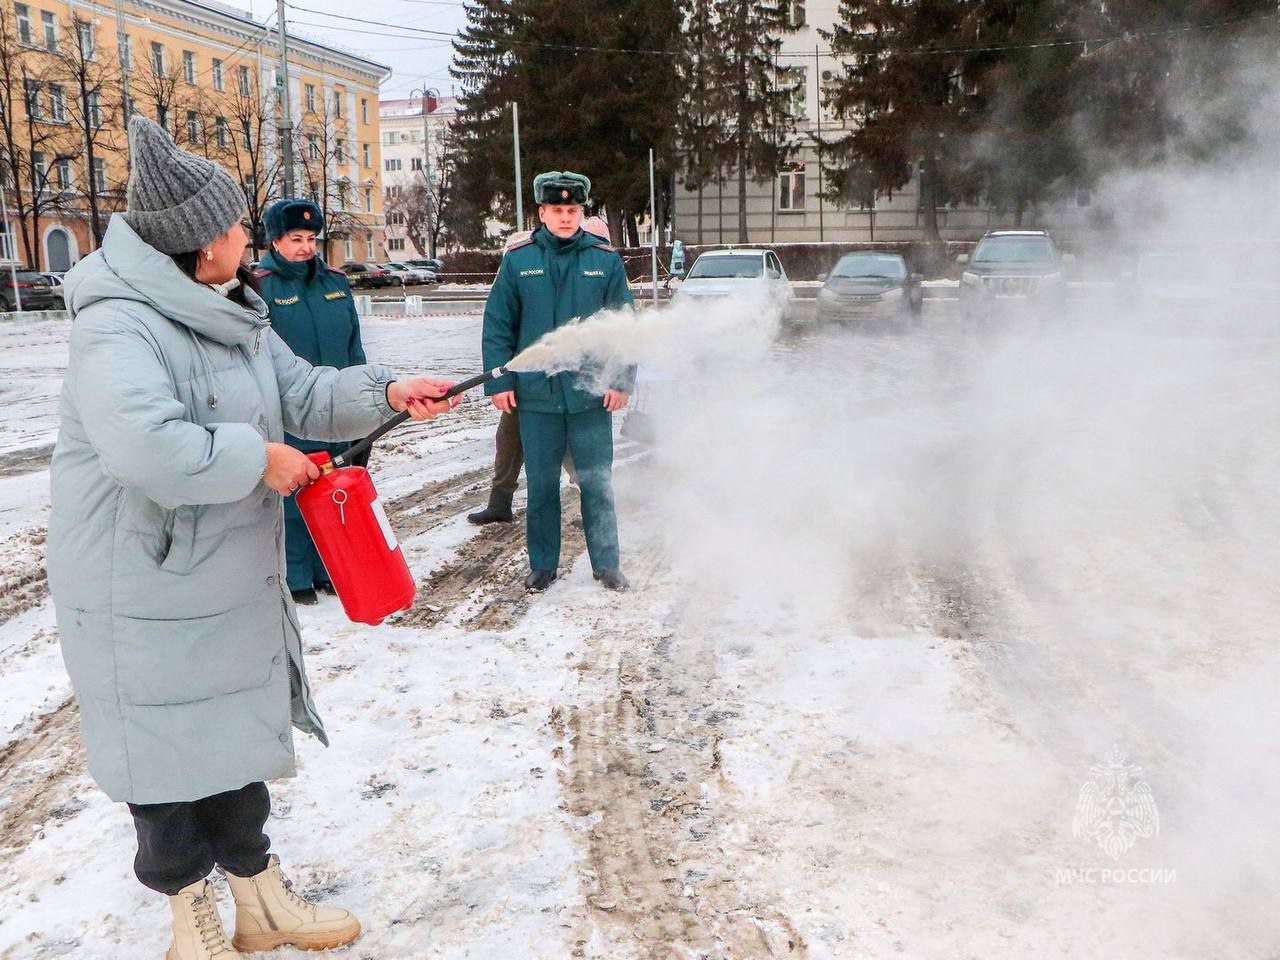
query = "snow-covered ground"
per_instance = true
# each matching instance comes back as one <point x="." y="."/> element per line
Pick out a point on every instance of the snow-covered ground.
<point x="895" y="601"/>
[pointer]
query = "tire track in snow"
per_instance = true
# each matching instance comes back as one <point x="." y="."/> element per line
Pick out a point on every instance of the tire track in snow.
<point x="643" y="776"/>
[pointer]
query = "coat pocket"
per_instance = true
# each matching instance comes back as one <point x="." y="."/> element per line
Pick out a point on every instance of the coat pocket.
<point x="181" y="549"/>
<point x="181" y="661"/>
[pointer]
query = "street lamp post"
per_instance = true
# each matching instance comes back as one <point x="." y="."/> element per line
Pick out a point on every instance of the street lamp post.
<point x="426" y="164"/>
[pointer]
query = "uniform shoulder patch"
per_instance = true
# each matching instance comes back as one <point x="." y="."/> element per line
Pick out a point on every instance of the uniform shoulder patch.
<point x="260" y="272"/>
<point x="519" y="244"/>
<point x="334" y="270"/>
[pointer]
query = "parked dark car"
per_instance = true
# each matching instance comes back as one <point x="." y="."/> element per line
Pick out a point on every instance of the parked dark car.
<point x="363" y="275"/>
<point x="34" y="289"/>
<point x="1011" y="270"/>
<point x="869" y="286"/>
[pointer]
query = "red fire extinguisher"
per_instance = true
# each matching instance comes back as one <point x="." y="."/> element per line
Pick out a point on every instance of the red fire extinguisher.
<point x="351" y="532"/>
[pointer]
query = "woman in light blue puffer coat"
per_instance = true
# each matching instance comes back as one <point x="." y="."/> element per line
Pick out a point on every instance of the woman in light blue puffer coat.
<point x="166" y="542"/>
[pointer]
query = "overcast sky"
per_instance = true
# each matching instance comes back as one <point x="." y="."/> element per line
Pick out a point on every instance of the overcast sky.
<point x="415" y="59"/>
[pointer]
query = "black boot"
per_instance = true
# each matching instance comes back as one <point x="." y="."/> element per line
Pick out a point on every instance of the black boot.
<point x="612" y="579"/>
<point x="305" y="597"/>
<point x="539" y="580"/>
<point x="325" y="587"/>
<point x="498" y="511"/>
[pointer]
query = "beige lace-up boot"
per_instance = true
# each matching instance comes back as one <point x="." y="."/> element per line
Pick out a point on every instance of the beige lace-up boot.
<point x="269" y="914"/>
<point x="197" y="928"/>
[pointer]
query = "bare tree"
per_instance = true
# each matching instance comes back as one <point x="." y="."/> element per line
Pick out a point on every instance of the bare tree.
<point x="93" y="77"/>
<point x="33" y="134"/>
<point x="239" y="134"/>
<point x="412" y="204"/>
<point x="322" y="152"/>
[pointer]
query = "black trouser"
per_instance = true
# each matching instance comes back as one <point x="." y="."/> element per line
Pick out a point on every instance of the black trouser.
<point x="179" y="843"/>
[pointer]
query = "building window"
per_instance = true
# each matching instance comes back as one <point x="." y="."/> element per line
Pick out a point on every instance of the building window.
<point x="95" y="110"/>
<point x="189" y="66"/>
<point x="50" y="24"/>
<point x="315" y="195"/>
<point x="31" y="98"/>
<point x="364" y="109"/>
<point x="794" y="80"/>
<point x="62" y="174"/>
<point x="88" y="39"/>
<point x="162" y="115"/>
<point x="415" y="163"/>
<point x="223" y="133"/>
<point x="157" y="58"/>
<point x="23" y="13"/>
<point x="368" y="202"/>
<point x="40" y="164"/>
<point x="99" y="175"/>
<point x="193" y="127"/>
<point x="393" y="192"/>
<point x="130" y="108"/>
<point x="313" y="147"/>
<point x="791" y="187"/>
<point x="395" y="244"/>
<point x="309" y="97"/>
<point x="347" y="251"/>
<point x="395" y="219"/>
<point x="247" y="132"/>
<point x="126" y="51"/>
<point x="367" y="155"/>
<point x="337" y="103"/>
<point x="368" y="247"/>
<point x="245" y="89"/>
<point x="392" y="165"/>
<point x="57" y="104"/>
<point x="388" y="138"/>
<point x="217" y="74"/>
<point x="415" y="135"/>
<point x="340" y="152"/>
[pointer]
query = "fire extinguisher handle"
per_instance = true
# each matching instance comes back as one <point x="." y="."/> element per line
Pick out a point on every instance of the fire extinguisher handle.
<point x="344" y="458"/>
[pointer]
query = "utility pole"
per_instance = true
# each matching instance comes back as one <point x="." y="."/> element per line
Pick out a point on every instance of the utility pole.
<point x="817" y="112"/>
<point x="284" y="122"/>
<point x="426" y="165"/>
<point x="13" y="247"/>
<point x="515" y="125"/>
<point x="653" y="228"/>
<point x="122" y="52"/>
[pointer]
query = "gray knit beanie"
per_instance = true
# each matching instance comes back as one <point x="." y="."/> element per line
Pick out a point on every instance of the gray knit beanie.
<point x="178" y="202"/>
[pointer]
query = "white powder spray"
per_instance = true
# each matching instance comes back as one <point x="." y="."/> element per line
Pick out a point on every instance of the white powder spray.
<point x="675" y="340"/>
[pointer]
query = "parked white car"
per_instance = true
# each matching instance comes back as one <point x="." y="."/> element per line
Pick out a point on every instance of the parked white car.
<point x="720" y="273"/>
<point x="409" y="275"/>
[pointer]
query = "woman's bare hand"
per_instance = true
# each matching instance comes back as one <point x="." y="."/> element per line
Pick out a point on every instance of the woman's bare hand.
<point x="288" y="470"/>
<point x="420" y="397"/>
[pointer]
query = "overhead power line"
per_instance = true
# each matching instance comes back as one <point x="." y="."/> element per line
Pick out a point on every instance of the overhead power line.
<point x="903" y="51"/>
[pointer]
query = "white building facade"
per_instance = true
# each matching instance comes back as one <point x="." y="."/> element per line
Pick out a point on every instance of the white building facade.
<point x="411" y="151"/>
<point x="788" y="208"/>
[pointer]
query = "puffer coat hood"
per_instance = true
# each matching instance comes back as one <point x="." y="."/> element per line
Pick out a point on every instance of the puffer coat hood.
<point x="166" y="549"/>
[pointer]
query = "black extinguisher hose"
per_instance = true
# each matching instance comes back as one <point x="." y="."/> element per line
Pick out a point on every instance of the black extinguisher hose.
<point x="344" y="459"/>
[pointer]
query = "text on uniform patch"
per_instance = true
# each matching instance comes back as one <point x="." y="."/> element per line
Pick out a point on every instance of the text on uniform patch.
<point x="287" y="300"/>
<point x="532" y="273"/>
<point x="336" y="295"/>
<point x="593" y="273"/>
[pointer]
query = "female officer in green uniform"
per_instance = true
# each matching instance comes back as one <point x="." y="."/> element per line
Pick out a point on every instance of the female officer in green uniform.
<point x="559" y="274"/>
<point x="313" y="312"/>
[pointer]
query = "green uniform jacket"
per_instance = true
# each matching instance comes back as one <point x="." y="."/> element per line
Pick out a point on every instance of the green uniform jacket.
<point x="313" y="312"/>
<point x="541" y="285"/>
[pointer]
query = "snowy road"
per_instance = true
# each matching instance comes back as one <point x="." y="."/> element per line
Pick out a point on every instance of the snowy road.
<point x="896" y="597"/>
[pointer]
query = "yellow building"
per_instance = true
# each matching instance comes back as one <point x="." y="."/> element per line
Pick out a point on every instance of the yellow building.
<point x="70" y="72"/>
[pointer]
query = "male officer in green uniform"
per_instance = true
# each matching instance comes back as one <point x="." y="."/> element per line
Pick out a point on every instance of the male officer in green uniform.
<point x="313" y="311"/>
<point x="559" y="274"/>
